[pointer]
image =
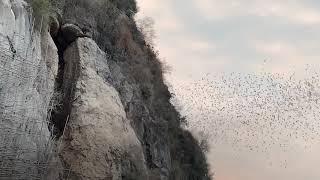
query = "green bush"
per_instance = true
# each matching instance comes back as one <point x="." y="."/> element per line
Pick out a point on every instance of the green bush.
<point x="41" y="12"/>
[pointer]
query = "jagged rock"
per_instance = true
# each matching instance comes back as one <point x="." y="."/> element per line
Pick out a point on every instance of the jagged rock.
<point x="99" y="141"/>
<point x="87" y="32"/>
<point x="71" y="32"/>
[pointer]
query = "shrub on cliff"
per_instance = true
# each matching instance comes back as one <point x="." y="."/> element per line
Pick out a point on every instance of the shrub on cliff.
<point x="146" y="27"/>
<point x="128" y="6"/>
<point x="41" y="8"/>
<point x="189" y="161"/>
<point x="41" y="11"/>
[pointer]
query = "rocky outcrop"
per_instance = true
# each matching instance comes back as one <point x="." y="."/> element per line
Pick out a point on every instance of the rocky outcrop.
<point x="99" y="142"/>
<point x="71" y="32"/>
<point x="169" y="151"/>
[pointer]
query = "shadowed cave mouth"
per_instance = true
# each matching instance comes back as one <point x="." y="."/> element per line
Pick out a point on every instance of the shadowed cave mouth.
<point x="59" y="112"/>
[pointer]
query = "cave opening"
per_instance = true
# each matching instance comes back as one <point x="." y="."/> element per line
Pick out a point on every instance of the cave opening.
<point x="58" y="114"/>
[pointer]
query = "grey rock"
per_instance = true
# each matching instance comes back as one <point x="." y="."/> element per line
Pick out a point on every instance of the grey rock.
<point x="99" y="143"/>
<point x="71" y="32"/>
<point x="28" y="68"/>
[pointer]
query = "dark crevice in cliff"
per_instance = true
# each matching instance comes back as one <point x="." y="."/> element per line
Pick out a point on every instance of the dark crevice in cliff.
<point x="59" y="114"/>
<point x="63" y="36"/>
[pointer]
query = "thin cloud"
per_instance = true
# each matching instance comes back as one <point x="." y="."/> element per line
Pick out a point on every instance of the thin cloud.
<point x="284" y="57"/>
<point x="290" y="11"/>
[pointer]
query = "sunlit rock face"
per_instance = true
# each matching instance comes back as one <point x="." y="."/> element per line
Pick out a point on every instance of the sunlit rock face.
<point x="28" y="67"/>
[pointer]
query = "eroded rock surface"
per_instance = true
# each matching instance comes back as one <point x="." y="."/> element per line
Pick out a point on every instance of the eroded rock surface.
<point x="28" y="68"/>
<point x="99" y="142"/>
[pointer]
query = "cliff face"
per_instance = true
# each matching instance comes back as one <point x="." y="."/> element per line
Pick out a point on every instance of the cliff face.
<point x="98" y="90"/>
<point x="28" y="67"/>
<point x="99" y="141"/>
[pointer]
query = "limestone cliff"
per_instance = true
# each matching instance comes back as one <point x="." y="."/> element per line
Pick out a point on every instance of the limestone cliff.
<point x="28" y="68"/>
<point x="89" y="101"/>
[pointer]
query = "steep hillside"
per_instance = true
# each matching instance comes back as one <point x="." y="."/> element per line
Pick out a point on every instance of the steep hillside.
<point x="112" y="117"/>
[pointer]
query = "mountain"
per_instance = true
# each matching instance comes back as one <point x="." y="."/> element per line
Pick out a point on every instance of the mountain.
<point x="82" y="96"/>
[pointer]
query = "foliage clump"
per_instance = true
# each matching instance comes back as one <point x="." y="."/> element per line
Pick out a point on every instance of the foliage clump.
<point x="146" y="27"/>
<point x="41" y="8"/>
<point x="189" y="161"/>
<point x="128" y="6"/>
<point x="41" y="11"/>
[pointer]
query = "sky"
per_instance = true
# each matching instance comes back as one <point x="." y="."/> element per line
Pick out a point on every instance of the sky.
<point x="203" y="39"/>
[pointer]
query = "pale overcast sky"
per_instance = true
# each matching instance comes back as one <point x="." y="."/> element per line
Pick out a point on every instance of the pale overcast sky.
<point x="200" y="36"/>
<point x="197" y="37"/>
